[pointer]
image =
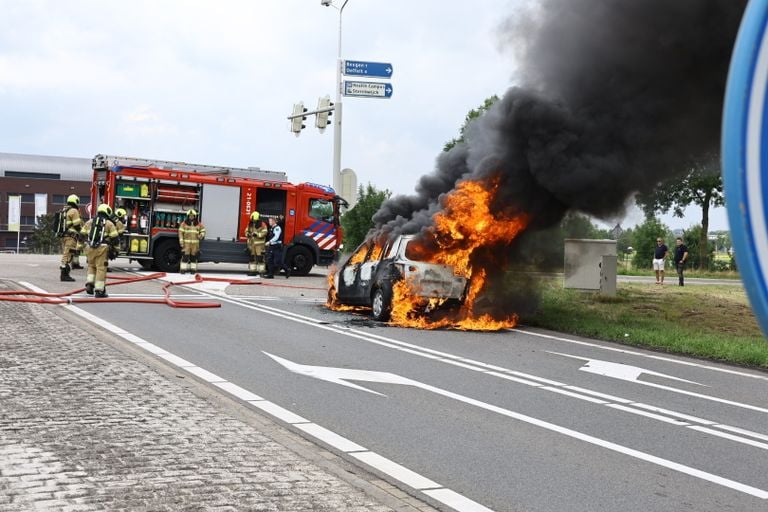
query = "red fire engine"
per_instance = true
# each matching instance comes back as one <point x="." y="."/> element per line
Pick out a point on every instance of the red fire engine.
<point x="157" y="194"/>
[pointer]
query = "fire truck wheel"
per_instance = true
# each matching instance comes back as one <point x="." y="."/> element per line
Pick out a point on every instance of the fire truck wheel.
<point x="300" y="260"/>
<point x="381" y="303"/>
<point x="168" y="256"/>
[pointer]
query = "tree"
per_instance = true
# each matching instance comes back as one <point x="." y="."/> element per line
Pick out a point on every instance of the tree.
<point x="43" y="239"/>
<point x="702" y="185"/>
<point x="625" y="241"/>
<point x="471" y="116"/>
<point x="644" y="241"/>
<point x="358" y="221"/>
<point x="692" y="240"/>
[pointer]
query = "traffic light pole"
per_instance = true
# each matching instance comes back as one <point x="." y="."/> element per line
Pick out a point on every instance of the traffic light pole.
<point x="337" y="122"/>
<point x="337" y="114"/>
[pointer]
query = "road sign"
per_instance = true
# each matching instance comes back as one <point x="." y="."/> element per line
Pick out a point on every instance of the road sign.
<point x="745" y="159"/>
<point x="368" y="89"/>
<point x="368" y="69"/>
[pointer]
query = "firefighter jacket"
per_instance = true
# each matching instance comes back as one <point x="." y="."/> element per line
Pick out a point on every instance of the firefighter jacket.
<point x="74" y="222"/>
<point x="256" y="233"/>
<point x="191" y="233"/>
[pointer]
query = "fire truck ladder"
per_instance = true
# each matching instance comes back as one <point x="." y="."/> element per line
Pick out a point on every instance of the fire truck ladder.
<point x="108" y="161"/>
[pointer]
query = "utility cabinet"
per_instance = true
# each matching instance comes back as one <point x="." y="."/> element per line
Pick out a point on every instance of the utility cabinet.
<point x="590" y="265"/>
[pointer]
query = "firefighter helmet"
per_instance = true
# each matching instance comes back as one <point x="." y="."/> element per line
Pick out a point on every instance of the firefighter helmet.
<point x="73" y="199"/>
<point x="191" y="212"/>
<point x="105" y="209"/>
<point x="255" y="216"/>
<point x="120" y="213"/>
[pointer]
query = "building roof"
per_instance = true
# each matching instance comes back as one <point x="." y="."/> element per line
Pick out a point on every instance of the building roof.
<point x="68" y="168"/>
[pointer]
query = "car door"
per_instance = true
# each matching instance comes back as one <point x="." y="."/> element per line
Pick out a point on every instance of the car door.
<point x="349" y="275"/>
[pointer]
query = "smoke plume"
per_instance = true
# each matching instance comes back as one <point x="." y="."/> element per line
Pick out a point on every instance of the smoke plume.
<point x="613" y="97"/>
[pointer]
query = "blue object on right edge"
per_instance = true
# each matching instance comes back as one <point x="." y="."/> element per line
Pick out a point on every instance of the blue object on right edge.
<point x="745" y="155"/>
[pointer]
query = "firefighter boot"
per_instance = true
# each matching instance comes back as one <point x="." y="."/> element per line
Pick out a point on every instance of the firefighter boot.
<point x="89" y="288"/>
<point x="77" y="266"/>
<point x="65" y="274"/>
<point x="100" y="294"/>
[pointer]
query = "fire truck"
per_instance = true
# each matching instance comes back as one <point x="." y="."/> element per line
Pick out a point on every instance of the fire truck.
<point x="157" y="194"/>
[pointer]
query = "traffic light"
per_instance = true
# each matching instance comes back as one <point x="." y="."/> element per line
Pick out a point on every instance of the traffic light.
<point x="297" y="122"/>
<point x="321" y="119"/>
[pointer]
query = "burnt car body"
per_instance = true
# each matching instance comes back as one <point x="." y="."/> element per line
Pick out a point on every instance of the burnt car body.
<point x="368" y="276"/>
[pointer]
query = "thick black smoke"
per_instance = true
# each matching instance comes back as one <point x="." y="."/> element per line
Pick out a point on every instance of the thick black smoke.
<point x="614" y="96"/>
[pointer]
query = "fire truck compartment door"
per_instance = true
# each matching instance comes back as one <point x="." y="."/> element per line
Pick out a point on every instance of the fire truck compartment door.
<point x="219" y="212"/>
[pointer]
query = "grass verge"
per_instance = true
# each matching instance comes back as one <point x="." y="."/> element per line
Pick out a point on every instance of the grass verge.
<point x="713" y="322"/>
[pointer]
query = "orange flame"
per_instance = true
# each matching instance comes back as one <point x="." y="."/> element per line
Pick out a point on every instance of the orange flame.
<point x="464" y="225"/>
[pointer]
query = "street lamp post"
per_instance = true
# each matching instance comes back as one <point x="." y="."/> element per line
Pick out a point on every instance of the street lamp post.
<point x="337" y="107"/>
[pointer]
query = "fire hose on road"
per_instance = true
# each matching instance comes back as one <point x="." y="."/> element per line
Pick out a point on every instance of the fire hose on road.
<point x="67" y="297"/>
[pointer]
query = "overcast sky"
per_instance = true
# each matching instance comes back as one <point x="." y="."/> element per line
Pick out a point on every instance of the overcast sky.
<point x="212" y="82"/>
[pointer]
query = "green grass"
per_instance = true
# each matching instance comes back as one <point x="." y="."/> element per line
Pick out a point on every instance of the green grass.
<point x="713" y="322"/>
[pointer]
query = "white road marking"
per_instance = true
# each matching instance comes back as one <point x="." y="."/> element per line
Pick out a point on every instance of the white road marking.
<point x="330" y="438"/>
<point x="396" y="471"/>
<point x="336" y="375"/>
<point x="356" y="334"/>
<point x="618" y="370"/>
<point x="444" y="356"/>
<point x="400" y="473"/>
<point x="641" y="354"/>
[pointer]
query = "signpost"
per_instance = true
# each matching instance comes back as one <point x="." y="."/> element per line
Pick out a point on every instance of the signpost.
<point x="368" y="89"/>
<point x="745" y="155"/>
<point x="368" y="69"/>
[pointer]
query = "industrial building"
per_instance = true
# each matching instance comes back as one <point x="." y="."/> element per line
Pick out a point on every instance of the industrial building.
<point x="43" y="182"/>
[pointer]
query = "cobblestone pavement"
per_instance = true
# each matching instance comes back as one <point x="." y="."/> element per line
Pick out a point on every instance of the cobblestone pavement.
<point x="85" y="426"/>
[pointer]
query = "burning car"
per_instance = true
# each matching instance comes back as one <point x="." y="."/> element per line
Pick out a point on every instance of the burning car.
<point x="373" y="273"/>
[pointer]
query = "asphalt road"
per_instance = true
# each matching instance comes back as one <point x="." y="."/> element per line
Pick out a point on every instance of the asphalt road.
<point x="513" y="420"/>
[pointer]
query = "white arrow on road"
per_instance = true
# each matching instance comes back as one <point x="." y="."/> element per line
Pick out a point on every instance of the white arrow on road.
<point x="341" y="375"/>
<point x="632" y="374"/>
<point x="619" y="370"/>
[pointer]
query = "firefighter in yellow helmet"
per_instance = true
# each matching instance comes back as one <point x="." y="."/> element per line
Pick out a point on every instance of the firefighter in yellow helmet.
<point x="120" y="219"/>
<point x="256" y="235"/>
<point x="191" y="231"/>
<point x="100" y="234"/>
<point x="74" y="225"/>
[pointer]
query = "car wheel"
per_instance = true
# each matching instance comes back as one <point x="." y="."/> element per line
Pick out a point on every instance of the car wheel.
<point x="168" y="256"/>
<point x="381" y="303"/>
<point x="300" y="260"/>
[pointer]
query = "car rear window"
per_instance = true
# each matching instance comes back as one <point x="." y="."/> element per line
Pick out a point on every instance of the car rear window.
<point x="414" y="251"/>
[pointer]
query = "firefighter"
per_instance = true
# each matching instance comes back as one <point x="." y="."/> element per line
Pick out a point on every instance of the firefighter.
<point x="275" y="250"/>
<point x="119" y="218"/>
<point x="256" y="234"/>
<point x="191" y="231"/>
<point x="74" y="226"/>
<point x="101" y="234"/>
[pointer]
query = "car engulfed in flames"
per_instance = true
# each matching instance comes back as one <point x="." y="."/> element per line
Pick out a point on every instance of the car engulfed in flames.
<point x="380" y="274"/>
<point x="439" y="277"/>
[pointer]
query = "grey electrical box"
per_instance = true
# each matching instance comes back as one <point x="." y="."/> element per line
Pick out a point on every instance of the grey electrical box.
<point x="584" y="265"/>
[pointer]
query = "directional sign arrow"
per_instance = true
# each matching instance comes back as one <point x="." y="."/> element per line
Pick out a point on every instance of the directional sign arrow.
<point x="368" y="69"/>
<point x="342" y="375"/>
<point x="367" y="89"/>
